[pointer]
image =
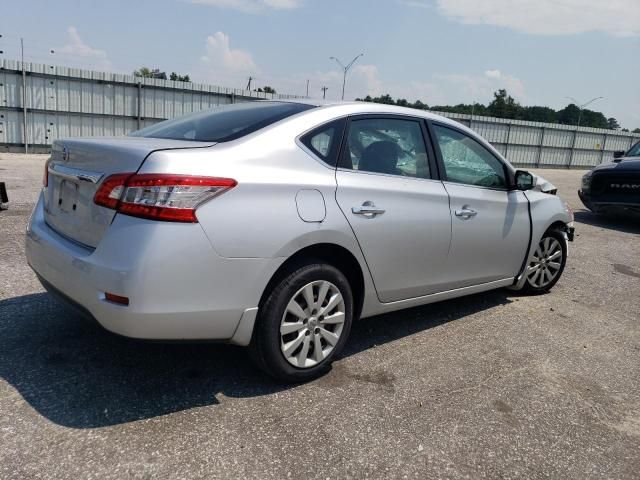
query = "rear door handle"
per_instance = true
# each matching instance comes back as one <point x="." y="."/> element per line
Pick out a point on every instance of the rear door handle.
<point x="465" y="213"/>
<point x="367" y="209"/>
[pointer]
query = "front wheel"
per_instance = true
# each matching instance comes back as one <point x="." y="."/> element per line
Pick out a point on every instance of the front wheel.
<point x="547" y="264"/>
<point x="303" y="323"/>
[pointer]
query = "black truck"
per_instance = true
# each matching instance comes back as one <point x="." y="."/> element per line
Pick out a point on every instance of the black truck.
<point x="614" y="186"/>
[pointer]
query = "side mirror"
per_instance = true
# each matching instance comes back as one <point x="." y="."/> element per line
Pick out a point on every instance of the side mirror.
<point x="524" y="180"/>
<point x="618" y="154"/>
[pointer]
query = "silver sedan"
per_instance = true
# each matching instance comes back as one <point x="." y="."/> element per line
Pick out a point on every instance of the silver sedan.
<point x="275" y="225"/>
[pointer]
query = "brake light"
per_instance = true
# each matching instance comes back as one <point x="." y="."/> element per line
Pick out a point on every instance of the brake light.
<point x="172" y="198"/>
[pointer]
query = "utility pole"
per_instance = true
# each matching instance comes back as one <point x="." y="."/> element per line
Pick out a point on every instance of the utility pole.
<point x="581" y="107"/>
<point x="575" y="133"/>
<point x="345" y="70"/>
<point x="307" y="88"/>
<point x="324" y="92"/>
<point x="249" y="84"/>
<point x="24" y="98"/>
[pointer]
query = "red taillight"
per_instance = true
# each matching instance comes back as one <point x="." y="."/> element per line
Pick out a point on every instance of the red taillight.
<point x="109" y="193"/>
<point x="172" y="198"/>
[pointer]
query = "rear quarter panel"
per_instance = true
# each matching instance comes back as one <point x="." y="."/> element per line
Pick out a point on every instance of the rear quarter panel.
<point x="259" y="217"/>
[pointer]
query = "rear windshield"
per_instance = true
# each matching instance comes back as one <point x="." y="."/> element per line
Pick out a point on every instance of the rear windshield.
<point x="223" y="124"/>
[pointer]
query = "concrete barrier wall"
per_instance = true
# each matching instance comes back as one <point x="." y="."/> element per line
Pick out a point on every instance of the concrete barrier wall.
<point x="68" y="102"/>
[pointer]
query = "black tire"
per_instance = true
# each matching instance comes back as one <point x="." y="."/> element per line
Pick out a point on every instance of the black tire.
<point x="529" y="287"/>
<point x="265" y="347"/>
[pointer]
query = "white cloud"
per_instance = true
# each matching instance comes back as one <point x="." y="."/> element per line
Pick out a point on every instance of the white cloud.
<point x="546" y="17"/>
<point x="479" y="88"/>
<point x="367" y="77"/>
<point x="251" y="6"/>
<point x="226" y="66"/>
<point x="361" y="80"/>
<point x="79" y="52"/>
<point x="427" y="92"/>
<point x="223" y="65"/>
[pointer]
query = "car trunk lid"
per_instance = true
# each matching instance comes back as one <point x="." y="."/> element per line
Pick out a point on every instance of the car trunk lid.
<point x="76" y="170"/>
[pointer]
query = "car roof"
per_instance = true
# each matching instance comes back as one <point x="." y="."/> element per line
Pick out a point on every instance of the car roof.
<point x="339" y="108"/>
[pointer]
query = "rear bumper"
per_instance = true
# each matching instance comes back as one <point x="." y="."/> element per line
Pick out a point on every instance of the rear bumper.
<point x="178" y="287"/>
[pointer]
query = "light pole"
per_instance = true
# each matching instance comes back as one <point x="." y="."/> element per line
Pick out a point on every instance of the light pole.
<point x="24" y="98"/>
<point x="581" y="107"/>
<point x="345" y="69"/>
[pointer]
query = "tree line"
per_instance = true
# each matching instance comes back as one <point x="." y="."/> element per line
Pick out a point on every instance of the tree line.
<point x="147" y="72"/>
<point x="504" y="105"/>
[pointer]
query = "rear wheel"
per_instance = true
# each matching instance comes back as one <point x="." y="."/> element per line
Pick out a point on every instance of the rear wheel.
<point x="547" y="264"/>
<point x="303" y="323"/>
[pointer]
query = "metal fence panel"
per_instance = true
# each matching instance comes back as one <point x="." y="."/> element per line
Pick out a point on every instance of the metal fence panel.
<point x="554" y="157"/>
<point x="67" y="102"/>
<point x="590" y="141"/>
<point x="492" y="132"/>
<point x="615" y="142"/>
<point x="523" y="154"/>
<point x="558" y="138"/>
<point x="586" y="158"/>
<point x="525" y="135"/>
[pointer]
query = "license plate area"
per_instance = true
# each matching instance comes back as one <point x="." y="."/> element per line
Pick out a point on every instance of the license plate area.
<point x="67" y="200"/>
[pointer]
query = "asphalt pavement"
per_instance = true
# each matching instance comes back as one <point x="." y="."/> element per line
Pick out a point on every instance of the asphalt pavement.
<point x="495" y="385"/>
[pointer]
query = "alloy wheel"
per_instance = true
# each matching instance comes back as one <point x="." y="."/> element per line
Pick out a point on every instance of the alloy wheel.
<point x="312" y="324"/>
<point x="546" y="263"/>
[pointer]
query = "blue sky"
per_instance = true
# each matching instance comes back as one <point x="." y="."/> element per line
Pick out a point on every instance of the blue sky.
<point x="438" y="51"/>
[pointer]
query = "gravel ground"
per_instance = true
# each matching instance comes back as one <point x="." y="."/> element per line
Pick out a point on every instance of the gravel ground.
<point x="490" y="386"/>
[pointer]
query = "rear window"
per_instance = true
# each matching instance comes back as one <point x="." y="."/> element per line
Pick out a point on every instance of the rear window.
<point x="223" y="124"/>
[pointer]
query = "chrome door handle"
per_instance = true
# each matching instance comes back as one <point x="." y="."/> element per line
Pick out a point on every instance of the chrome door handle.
<point x="367" y="209"/>
<point x="465" y="213"/>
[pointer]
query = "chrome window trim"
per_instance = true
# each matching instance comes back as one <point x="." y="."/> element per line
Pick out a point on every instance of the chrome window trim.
<point x="71" y="173"/>
<point x="390" y="175"/>
<point x="448" y="182"/>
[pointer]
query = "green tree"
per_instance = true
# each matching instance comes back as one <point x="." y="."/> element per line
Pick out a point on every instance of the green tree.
<point x="569" y="115"/>
<point x="146" y="72"/>
<point x="539" y="114"/>
<point x="419" y="105"/>
<point x="613" y="123"/>
<point x="636" y="130"/>
<point x="179" y="78"/>
<point x="593" y="119"/>
<point x="143" y="72"/>
<point x="266" y="89"/>
<point x="503" y="105"/>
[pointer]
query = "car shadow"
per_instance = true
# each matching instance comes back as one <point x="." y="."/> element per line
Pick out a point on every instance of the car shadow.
<point x="76" y="374"/>
<point x="623" y="222"/>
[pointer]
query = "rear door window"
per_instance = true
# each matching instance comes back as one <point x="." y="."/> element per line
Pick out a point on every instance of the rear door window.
<point x="223" y="124"/>
<point x="391" y="146"/>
